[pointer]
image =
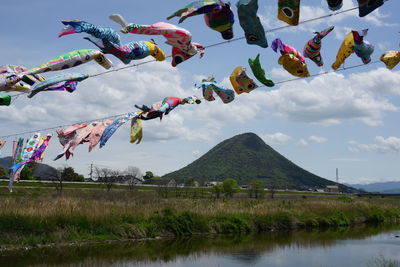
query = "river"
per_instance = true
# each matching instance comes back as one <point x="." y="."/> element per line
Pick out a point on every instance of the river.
<point x="355" y="246"/>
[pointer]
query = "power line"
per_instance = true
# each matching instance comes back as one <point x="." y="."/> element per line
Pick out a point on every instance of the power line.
<point x="216" y="44"/>
<point x="118" y="115"/>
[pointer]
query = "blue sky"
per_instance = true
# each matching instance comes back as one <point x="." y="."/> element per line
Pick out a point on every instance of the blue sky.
<point x="346" y="120"/>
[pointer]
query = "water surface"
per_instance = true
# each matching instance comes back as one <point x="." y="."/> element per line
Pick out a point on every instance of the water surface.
<point x="357" y="246"/>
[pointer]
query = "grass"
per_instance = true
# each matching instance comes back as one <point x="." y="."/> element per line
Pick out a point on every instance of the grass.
<point x="32" y="216"/>
<point x="50" y="184"/>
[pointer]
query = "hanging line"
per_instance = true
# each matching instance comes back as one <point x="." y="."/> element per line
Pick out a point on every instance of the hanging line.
<point x="216" y="44"/>
<point x="325" y="72"/>
<point x="61" y="126"/>
<point x="118" y="115"/>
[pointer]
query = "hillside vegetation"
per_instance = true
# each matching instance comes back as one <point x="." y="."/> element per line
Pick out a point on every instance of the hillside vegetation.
<point x="246" y="157"/>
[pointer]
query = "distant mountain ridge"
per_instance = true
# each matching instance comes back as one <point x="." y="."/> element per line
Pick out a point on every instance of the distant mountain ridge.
<point x="382" y="187"/>
<point x="246" y="157"/>
<point x="41" y="170"/>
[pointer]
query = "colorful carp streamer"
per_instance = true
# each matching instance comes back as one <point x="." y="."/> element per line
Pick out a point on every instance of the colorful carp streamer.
<point x="109" y="42"/>
<point x="241" y="82"/>
<point x="289" y="11"/>
<point x="390" y="58"/>
<point x="180" y="39"/>
<point x="210" y="86"/>
<point x="68" y="138"/>
<point x="72" y="59"/>
<point x="5" y="100"/>
<point x="354" y="42"/>
<point x="13" y="79"/>
<point x="250" y="23"/>
<point x="335" y="4"/>
<point x="136" y="130"/>
<point x="259" y="72"/>
<point x="24" y="153"/>
<point x="63" y="82"/>
<point x="367" y="6"/>
<point x="312" y="49"/>
<point x="2" y="144"/>
<point x="113" y="127"/>
<point x="77" y="134"/>
<point x="217" y="15"/>
<point x="165" y="106"/>
<point x="96" y="133"/>
<point x="345" y="50"/>
<point x="362" y="48"/>
<point x="36" y="155"/>
<point x="18" y="147"/>
<point x="291" y="59"/>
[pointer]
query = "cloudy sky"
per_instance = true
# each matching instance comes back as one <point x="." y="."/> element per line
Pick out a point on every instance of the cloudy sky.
<point x="346" y="120"/>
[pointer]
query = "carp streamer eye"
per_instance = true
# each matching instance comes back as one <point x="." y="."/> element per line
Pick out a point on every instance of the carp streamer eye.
<point x="288" y="12"/>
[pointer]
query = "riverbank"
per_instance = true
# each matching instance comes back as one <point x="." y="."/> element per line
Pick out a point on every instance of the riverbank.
<point x="43" y="217"/>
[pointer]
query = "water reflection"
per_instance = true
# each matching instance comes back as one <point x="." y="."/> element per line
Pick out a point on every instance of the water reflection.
<point x="348" y="246"/>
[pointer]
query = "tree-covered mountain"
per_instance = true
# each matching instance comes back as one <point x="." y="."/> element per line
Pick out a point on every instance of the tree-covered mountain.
<point x="246" y="157"/>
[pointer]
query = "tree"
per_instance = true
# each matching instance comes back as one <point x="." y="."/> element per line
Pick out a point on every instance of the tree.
<point x="27" y="171"/>
<point x="55" y="176"/>
<point x="69" y="174"/>
<point x="272" y="188"/>
<point x="106" y="176"/>
<point x="217" y="190"/>
<point x="256" y="188"/>
<point x="148" y="175"/>
<point x="133" y="176"/>
<point x="230" y="187"/>
<point x="189" y="182"/>
<point x="3" y="171"/>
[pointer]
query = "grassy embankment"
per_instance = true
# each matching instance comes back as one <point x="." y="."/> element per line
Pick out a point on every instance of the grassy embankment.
<point x="34" y="216"/>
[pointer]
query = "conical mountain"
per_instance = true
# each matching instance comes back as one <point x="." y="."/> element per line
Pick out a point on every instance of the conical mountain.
<point x="246" y="157"/>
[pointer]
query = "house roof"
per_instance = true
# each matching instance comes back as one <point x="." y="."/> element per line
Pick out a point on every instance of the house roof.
<point x="332" y="186"/>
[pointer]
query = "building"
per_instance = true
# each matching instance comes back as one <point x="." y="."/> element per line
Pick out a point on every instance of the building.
<point x="161" y="182"/>
<point x="209" y="184"/>
<point x="332" y="189"/>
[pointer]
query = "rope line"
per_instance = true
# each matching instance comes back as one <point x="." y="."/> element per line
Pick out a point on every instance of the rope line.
<point x="216" y="44"/>
<point x="61" y="126"/>
<point x="118" y="115"/>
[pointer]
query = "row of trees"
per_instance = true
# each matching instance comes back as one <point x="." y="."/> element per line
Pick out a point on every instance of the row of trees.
<point x="133" y="176"/>
<point x="109" y="177"/>
<point x="230" y="186"/>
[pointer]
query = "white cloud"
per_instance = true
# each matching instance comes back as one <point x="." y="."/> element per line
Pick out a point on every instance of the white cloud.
<point x="276" y="138"/>
<point x="380" y="81"/>
<point x="302" y="142"/>
<point x="317" y="139"/>
<point x="311" y="139"/>
<point x="376" y="18"/>
<point x="381" y="145"/>
<point x="329" y="99"/>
